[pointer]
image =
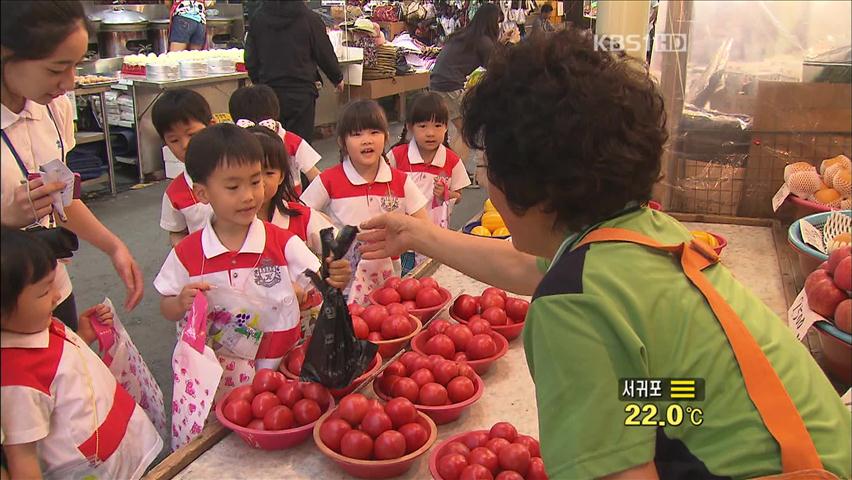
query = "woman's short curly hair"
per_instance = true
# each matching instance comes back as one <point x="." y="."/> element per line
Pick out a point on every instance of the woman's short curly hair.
<point x="576" y="130"/>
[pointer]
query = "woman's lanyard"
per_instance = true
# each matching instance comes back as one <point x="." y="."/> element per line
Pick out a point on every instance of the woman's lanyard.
<point x="24" y="170"/>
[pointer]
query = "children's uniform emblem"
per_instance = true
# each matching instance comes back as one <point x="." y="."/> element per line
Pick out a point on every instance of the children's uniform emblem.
<point x="266" y="274"/>
<point x="390" y="202"/>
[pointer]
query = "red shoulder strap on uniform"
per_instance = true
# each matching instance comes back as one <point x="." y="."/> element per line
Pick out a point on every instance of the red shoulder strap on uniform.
<point x="765" y="389"/>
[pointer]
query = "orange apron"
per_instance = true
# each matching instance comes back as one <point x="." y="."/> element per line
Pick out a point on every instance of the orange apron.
<point x="799" y="458"/>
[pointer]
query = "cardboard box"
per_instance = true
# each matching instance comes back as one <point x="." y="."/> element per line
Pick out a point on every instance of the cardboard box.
<point x="391" y="86"/>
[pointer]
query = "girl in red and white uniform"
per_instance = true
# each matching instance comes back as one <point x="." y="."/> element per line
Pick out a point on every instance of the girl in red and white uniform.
<point x="436" y="170"/>
<point x="64" y="416"/>
<point x="258" y="105"/>
<point x="281" y="205"/>
<point x="362" y="186"/>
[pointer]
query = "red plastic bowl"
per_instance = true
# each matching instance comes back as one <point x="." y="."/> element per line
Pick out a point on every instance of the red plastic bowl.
<point x="389" y="348"/>
<point x="444" y="413"/>
<point x="424" y="314"/>
<point x="655" y="205"/>
<point x="377" y="468"/>
<point x="479" y="366"/>
<point x="271" y="440"/>
<point x="510" y="332"/>
<point x="437" y="451"/>
<point x="723" y="242"/>
<point x="375" y="365"/>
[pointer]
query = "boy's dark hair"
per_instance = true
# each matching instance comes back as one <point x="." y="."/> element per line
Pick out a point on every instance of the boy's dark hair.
<point x="224" y="144"/>
<point x="275" y="157"/>
<point x="360" y="115"/>
<point x="180" y="105"/>
<point x="593" y="128"/>
<point x="26" y="259"/>
<point x="33" y="30"/>
<point x="546" y="8"/>
<point x="425" y="108"/>
<point x="256" y="103"/>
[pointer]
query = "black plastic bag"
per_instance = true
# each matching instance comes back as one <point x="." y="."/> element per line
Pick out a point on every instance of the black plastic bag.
<point x="335" y="357"/>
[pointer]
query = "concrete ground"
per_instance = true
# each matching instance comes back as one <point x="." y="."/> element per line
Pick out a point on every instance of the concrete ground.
<point x="134" y="216"/>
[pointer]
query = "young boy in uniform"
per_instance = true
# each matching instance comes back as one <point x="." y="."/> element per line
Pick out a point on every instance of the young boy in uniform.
<point x="178" y="115"/>
<point x="615" y="308"/>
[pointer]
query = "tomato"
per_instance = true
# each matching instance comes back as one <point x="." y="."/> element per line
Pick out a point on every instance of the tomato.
<point x="265" y="381"/>
<point x="406" y="387"/>
<point x="445" y="371"/>
<point x="460" y="389"/>
<point x="433" y="394"/>
<point x="375" y="422"/>
<point x="281" y="378"/>
<point x="375" y="337"/>
<point x="475" y="439"/>
<point x="352" y="408"/>
<point x="396" y="326"/>
<point x="396" y="368"/>
<point x="408" y="288"/>
<point x="428" y="297"/>
<point x="243" y="392"/>
<point x="495" y="315"/>
<point x="375" y="315"/>
<point x="421" y="362"/>
<point x="503" y="430"/>
<point x="415" y="435"/>
<point x="496" y="444"/>
<point x="401" y="411"/>
<point x="408" y="358"/>
<point x="488" y="301"/>
<point x="356" y="444"/>
<point x="456" y="447"/>
<point x="476" y="472"/>
<point x="362" y="330"/>
<point x="278" y="418"/>
<point x="422" y="377"/>
<point x="479" y="325"/>
<point x="509" y="475"/>
<point x="460" y="357"/>
<point x="485" y="457"/>
<point x="460" y="335"/>
<point x="397" y="309"/>
<point x="332" y="430"/>
<point x="495" y="291"/>
<point x="392" y="282"/>
<point x="355" y="309"/>
<point x="439" y="325"/>
<point x="317" y="393"/>
<point x="306" y="411"/>
<point x="289" y="393"/>
<point x="295" y="361"/>
<point x="434" y="361"/>
<point x="238" y="412"/>
<point x="450" y="466"/>
<point x="390" y="444"/>
<point x="481" y="346"/>
<point x="387" y="296"/>
<point x="536" y="470"/>
<point x="515" y="457"/>
<point x="373" y="404"/>
<point x="467" y="371"/>
<point x="256" y="424"/>
<point x="262" y="403"/>
<point x="441" y="345"/>
<point x="386" y="383"/>
<point x="531" y="444"/>
<point x="516" y="309"/>
<point x="465" y="306"/>
<point x="428" y="282"/>
<point x="409" y="305"/>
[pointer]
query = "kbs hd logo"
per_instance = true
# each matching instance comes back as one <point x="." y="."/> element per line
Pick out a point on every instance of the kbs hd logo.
<point x="662" y="42"/>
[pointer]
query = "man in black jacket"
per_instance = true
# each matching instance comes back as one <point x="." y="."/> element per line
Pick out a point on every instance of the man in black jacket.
<point x="286" y="42"/>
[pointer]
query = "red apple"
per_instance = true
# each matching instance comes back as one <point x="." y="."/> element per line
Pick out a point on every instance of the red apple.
<point x="836" y="256"/>
<point x="823" y="295"/>
<point x="843" y="315"/>
<point x="843" y="274"/>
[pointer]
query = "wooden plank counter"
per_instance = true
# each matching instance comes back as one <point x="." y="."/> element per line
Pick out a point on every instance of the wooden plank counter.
<point x="509" y="392"/>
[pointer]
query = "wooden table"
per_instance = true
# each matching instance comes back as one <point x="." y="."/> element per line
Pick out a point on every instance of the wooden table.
<point x="386" y="87"/>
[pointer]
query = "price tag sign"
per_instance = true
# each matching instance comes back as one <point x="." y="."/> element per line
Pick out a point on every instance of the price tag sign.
<point x="811" y="235"/>
<point x="780" y="196"/>
<point x="223" y="118"/>
<point x="800" y="317"/>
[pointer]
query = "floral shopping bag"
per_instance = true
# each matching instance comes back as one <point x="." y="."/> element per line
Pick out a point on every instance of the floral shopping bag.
<point x="196" y="373"/>
<point x="129" y="368"/>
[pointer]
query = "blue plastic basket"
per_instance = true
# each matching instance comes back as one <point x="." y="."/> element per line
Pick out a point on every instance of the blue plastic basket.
<point x="470" y="226"/>
<point x="794" y="234"/>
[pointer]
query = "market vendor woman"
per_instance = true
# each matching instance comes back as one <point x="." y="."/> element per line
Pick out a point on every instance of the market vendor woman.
<point x="605" y="308"/>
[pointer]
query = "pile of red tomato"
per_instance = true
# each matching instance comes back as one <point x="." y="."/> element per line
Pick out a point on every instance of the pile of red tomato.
<point x="367" y="430"/>
<point x="412" y="293"/>
<point x="431" y="381"/>
<point x="377" y="323"/>
<point x="500" y="453"/>
<point x="455" y="341"/>
<point x="272" y="402"/>
<point x="493" y="305"/>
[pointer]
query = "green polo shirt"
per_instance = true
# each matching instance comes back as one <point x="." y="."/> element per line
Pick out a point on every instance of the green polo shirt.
<point x="615" y="310"/>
